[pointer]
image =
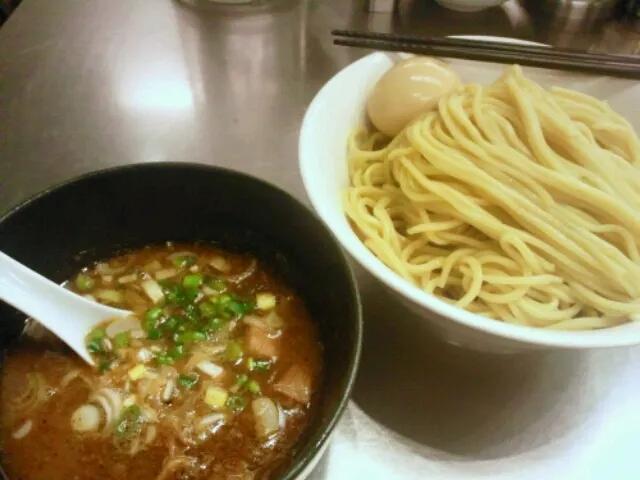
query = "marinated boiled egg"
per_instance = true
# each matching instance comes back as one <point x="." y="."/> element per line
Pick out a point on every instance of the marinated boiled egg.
<point x="410" y="88"/>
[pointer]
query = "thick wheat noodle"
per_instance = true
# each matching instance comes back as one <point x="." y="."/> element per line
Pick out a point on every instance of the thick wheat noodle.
<point x="511" y="201"/>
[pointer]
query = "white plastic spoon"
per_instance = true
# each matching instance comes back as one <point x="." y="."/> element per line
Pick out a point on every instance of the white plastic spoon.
<point x="69" y="316"/>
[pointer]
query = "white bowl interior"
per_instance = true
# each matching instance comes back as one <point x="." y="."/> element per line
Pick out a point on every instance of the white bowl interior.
<point x="339" y="107"/>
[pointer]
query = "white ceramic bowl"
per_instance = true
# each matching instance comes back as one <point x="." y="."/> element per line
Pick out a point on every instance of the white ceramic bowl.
<point x="339" y="107"/>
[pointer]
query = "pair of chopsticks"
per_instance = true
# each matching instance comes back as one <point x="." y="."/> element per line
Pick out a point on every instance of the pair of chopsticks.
<point x="544" y="57"/>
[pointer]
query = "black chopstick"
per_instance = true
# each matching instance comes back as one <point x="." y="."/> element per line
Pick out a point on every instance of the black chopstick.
<point x="483" y="44"/>
<point x="617" y="68"/>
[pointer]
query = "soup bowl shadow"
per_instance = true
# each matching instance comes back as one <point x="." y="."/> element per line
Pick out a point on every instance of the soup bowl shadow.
<point x="96" y="216"/>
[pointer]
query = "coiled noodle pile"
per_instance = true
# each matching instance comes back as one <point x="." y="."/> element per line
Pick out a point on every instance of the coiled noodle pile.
<point x="510" y="201"/>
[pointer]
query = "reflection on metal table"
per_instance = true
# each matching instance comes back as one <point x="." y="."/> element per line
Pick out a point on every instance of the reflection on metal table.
<point x="87" y="84"/>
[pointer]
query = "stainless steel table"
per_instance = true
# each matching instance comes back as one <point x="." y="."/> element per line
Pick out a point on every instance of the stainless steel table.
<point x="87" y="84"/>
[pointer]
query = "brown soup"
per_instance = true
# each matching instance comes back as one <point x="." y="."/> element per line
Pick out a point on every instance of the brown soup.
<point x="213" y="376"/>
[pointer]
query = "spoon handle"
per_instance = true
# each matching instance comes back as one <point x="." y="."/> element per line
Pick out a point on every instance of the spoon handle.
<point x="30" y="292"/>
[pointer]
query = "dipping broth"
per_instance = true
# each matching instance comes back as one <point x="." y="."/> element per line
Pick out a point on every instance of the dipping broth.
<point x="213" y="377"/>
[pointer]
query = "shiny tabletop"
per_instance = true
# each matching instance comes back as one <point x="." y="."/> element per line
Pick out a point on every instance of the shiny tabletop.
<point x="88" y="84"/>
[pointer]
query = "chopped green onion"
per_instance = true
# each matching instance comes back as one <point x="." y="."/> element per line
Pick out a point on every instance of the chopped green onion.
<point x="235" y="307"/>
<point x="192" y="280"/>
<point x="233" y="352"/>
<point x="129" y="422"/>
<point x="207" y="309"/>
<point x="176" y="351"/>
<point x="190" y="295"/>
<point x="121" y="339"/>
<point x="190" y="336"/>
<point x="231" y="304"/>
<point x="249" y="306"/>
<point x="154" y="334"/>
<point x="241" y="379"/>
<point x="154" y="313"/>
<point x="98" y="334"/>
<point x="199" y="336"/>
<point x="253" y="387"/>
<point x="172" y="323"/>
<point x="236" y="402"/>
<point x="183" y="261"/>
<point x="262" y="365"/>
<point x="187" y="381"/>
<point x="95" y="346"/>
<point x="214" y="324"/>
<point x="173" y="293"/>
<point x="258" y="365"/>
<point x="152" y="317"/>
<point x="164" y="359"/>
<point x="104" y="365"/>
<point x="84" y="282"/>
<point x="192" y="313"/>
<point x="149" y="325"/>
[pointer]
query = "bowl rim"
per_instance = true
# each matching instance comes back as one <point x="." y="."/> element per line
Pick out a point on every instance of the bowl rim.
<point x="603" y="338"/>
<point x="308" y="451"/>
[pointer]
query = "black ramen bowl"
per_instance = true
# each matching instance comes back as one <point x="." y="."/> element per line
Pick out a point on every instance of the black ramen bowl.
<point x="98" y="215"/>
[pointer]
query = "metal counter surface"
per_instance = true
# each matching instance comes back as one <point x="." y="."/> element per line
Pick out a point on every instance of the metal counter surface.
<point x="87" y="84"/>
